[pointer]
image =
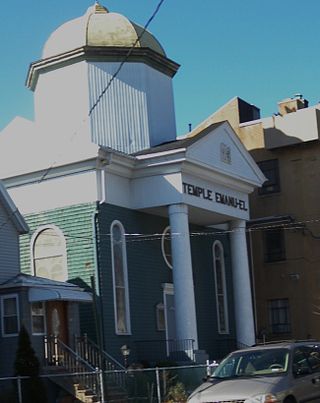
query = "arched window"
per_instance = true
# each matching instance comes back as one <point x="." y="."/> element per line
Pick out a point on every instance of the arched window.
<point x="49" y="254"/>
<point x="220" y="286"/>
<point x="166" y="246"/>
<point x="120" y="279"/>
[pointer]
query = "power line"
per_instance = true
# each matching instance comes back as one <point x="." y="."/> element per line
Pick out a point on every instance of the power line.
<point x="103" y="92"/>
<point x="126" y="57"/>
<point x="141" y="237"/>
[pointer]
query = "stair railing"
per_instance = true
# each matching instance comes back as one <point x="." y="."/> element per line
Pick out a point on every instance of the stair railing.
<point x="60" y="355"/>
<point x="99" y="358"/>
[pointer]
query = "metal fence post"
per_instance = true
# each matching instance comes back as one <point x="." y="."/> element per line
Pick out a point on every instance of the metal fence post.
<point x="46" y="355"/>
<point x="208" y="368"/>
<point x="56" y="356"/>
<point x="101" y="380"/>
<point x="19" y="390"/>
<point x="158" y="385"/>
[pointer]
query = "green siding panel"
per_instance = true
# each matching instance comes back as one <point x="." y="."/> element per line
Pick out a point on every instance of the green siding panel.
<point x="76" y="223"/>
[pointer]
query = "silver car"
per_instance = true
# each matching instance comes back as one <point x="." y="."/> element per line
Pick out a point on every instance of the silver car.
<point x="286" y="372"/>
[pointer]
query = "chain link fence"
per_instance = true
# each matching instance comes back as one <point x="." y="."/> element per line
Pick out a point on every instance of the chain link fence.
<point x="150" y="385"/>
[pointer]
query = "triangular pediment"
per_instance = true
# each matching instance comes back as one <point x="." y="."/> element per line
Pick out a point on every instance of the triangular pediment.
<point x="218" y="148"/>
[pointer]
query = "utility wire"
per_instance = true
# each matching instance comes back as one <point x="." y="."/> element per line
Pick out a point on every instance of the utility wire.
<point x="48" y="169"/>
<point x="103" y="92"/>
<point x="141" y="237"/>
<point x="126" y="58"/>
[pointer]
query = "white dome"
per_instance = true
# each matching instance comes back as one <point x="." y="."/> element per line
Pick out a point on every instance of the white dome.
<point x="98" y="27"/>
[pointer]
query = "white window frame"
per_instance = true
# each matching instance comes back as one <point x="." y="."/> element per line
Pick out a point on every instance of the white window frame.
<point x="168" y="289"/>
<point x="44" y="319"/>
<point x="125" y="278"/>
<point x="163" y="239"/>
<point x="224" y="287"/>
<point x="3" y="298"/>
<point x="64" y="246"/>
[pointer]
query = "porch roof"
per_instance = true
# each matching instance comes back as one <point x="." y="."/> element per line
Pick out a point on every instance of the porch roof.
<point x="54" y="294"/>
<point x="43" y="289"/>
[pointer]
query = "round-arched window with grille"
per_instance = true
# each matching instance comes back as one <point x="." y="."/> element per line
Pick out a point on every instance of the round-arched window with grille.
<point x="49" y="254"/>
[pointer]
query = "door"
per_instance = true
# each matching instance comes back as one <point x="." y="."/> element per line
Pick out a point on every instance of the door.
<point x="57" y="320"/>
<point x="170" y="317"/>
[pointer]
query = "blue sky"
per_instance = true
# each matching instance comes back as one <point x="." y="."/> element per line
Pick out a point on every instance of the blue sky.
<point x="262" y="51"/>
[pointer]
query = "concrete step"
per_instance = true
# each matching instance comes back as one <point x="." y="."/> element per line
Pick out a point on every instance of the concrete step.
<point x="85" y="395"/>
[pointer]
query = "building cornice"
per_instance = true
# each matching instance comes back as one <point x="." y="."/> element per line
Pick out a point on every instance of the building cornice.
<point x="178" y="161"/>
<point x="51" y="173"/>
<point x="117" y="163"/>
<point x="100" y="53"/>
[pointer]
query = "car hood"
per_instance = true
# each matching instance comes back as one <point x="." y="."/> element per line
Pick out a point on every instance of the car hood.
<point x="232" y="389"/>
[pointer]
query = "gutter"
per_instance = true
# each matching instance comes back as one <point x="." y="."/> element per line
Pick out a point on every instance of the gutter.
<point x="96" y="284"/>
<point x="274" y="220"/>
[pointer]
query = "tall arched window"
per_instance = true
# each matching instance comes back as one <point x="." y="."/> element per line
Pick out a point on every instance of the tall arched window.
<point x="120" y="279"/>
<point x="220" y="286"/>
<point x="49" y="254"/>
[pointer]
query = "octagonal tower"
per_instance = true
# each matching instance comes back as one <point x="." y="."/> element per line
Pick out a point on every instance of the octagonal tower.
<point x="101" y="77"/>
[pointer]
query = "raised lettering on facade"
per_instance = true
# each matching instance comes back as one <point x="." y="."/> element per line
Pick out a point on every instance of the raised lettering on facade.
<point x="208" y="194"/>
<point x="197" y="191"/>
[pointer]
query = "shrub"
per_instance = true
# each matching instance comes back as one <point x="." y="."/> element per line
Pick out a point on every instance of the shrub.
<point x="27" y="364"/>
<point x="176" y="394"/>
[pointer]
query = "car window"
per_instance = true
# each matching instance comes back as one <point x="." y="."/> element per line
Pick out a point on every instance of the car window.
<point x="313" y="356"/>
<point x="300" y="363"/>
<point x="306" y="359"/>
<point x="264" y="362"/>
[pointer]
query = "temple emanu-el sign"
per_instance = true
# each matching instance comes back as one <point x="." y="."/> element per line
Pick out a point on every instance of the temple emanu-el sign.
<point x="218" y="197"/>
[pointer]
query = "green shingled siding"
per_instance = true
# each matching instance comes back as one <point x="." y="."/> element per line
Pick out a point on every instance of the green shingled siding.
<point x="76" y="223"/>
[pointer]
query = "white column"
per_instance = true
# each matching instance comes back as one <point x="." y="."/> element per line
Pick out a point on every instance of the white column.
<point x="241" y="284"/>
<point x="185" y="309"/>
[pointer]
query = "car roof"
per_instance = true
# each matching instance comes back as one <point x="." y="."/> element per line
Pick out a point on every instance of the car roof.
<point x="289" y="344"/>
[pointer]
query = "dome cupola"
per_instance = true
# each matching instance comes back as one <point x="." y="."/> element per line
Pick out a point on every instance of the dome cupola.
<point x="99" y="34"/>
<point x="109" y="76"/>
<point x="99" y="27"/>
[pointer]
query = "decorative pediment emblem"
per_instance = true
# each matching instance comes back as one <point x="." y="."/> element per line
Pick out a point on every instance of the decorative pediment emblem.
<point x="225" y="153"/>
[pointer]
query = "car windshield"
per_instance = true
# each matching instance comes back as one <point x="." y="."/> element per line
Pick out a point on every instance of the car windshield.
<point x="262" y="362"/>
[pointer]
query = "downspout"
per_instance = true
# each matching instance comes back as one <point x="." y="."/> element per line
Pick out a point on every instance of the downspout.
<point x="253" y="286"/>
<point x="98" y="304"/>
<point x="96" y="283"/>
